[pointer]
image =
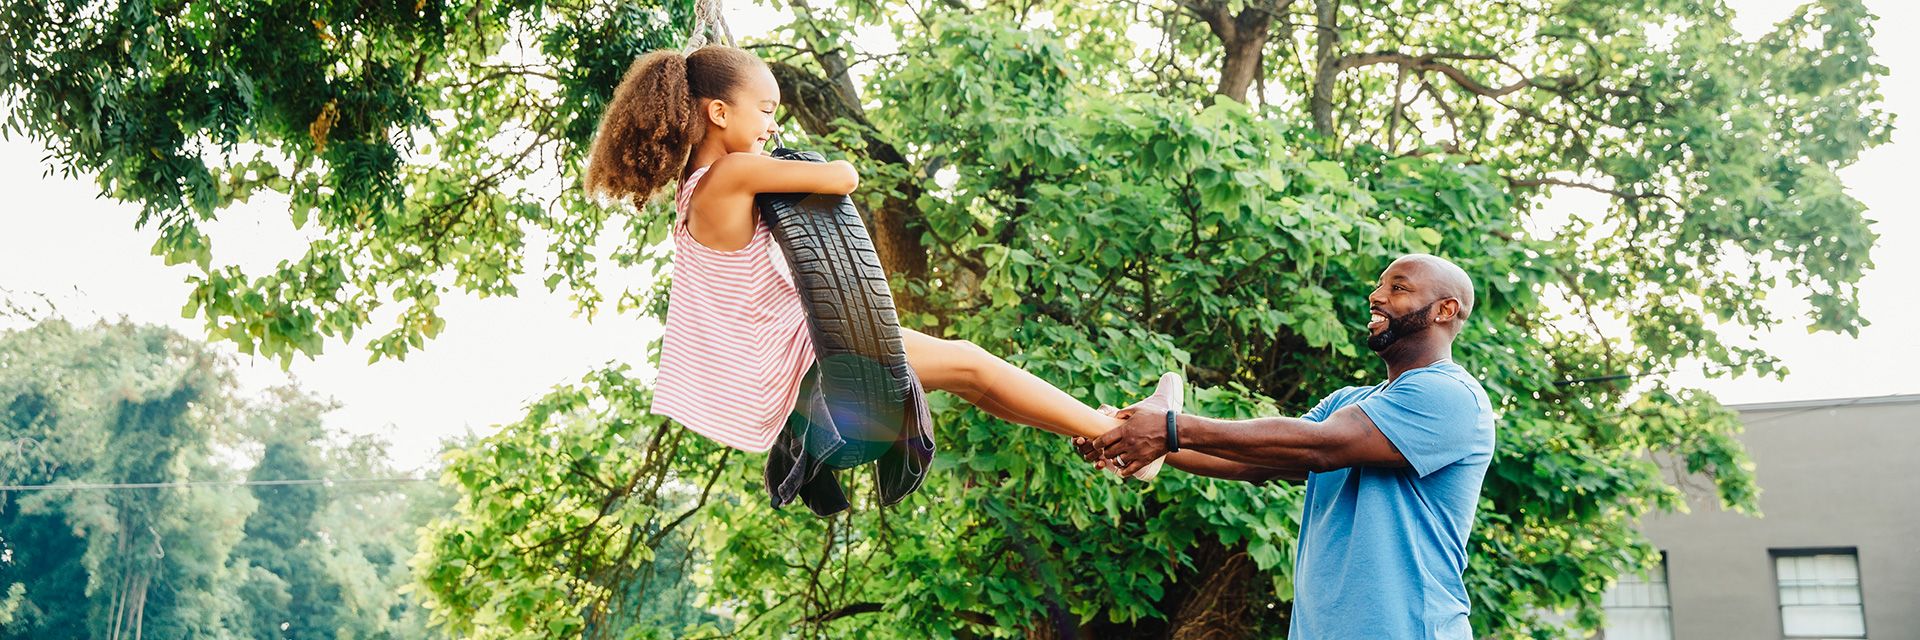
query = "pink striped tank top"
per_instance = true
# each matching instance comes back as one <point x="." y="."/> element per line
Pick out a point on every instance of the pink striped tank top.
<point x="736" y="340"/>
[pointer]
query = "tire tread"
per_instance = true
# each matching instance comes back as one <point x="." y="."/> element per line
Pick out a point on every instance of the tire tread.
<point x="850" y="310"/>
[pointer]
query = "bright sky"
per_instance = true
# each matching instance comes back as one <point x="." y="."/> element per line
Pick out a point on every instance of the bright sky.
<point x="496" y="355"/>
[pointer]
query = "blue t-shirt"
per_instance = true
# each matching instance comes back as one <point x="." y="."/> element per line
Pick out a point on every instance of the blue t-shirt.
<point x="1381" y="549"/>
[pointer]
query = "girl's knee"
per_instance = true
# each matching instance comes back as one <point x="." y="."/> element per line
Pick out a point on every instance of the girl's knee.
<point x="971" y="352"/>
<point x="970" y="369"/>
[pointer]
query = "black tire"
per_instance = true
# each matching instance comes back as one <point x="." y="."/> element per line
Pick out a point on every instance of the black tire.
<point x="856" y="333"/>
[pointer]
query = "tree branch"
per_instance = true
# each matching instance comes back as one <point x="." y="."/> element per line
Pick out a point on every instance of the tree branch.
<point x="718" y="467"/>
<point x="858" y="608"/>
<point x="1326" y="69"/>
<point x="1453" y="118"/>
<point x="854" y="609"/>
<point x="1624" y="195"/>
<point x="1432" y="62"/>
<point x="833" y="60"/>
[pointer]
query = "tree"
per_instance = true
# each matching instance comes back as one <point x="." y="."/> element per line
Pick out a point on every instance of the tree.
<point x="290" y="591"/>
<point x="132" y="404"/>
<point x="585" y="518"/>
<point x="1041" y="183"/>
<point x="374" y="530"/>
<point x="325" y="562"/>
<point x="114" y="404"/>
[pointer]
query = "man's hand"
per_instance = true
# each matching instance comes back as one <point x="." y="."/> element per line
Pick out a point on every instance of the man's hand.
<point x="1132" y="446"/>
<point x="1084" y="446"/>
<point x="1091" y="453"/>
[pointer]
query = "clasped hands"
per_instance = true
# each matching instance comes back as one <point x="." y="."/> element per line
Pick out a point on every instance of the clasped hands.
<point x="1133" y="445"/>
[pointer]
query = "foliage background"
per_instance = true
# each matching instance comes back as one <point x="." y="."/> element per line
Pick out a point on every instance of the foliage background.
<point x="1040" y="193"/>
<point x="125" y="403"/>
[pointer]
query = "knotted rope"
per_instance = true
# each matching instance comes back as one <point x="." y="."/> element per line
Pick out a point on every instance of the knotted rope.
<point x="706" y="13"/>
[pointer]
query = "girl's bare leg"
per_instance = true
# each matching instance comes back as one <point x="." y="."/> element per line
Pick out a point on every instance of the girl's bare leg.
<point x="999" y="388"/>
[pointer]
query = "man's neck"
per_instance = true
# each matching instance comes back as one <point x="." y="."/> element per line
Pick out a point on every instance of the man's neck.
<point x="1415" y="356"/>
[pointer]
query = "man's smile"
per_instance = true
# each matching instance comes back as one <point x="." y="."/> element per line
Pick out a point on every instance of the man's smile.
<point x="1376" y="321"/>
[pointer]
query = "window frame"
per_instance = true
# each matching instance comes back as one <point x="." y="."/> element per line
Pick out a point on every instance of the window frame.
<point x="1780" y="608"/>
<point x="1666" y="584"/>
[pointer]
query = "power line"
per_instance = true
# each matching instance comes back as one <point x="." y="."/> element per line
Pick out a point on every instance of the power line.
<point x="1620" y="376"/>
<point x="214" y="483"/>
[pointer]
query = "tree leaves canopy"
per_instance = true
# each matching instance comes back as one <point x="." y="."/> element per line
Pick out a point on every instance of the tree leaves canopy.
<point x="1088" y="188"/>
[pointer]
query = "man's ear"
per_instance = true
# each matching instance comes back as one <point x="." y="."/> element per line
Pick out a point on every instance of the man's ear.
<point x="1447" y="312"/>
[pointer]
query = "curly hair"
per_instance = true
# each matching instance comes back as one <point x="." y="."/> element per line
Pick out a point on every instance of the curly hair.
<point x="653" y="120"/>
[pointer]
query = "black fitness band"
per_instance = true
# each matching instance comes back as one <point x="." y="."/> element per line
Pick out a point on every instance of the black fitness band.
<point x="1173" y="432"/>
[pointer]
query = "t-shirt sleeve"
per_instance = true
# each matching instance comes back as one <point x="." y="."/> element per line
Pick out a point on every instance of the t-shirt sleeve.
<point x="1333" y="402"/>
<point x="1430" y="417"/>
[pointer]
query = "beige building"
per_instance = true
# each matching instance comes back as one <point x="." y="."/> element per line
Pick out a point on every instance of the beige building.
<point x="1835" y="555"/>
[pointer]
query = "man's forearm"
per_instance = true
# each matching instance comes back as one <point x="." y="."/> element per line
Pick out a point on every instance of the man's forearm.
<point x="1346" y="438"/>
<point x="1201" y="464"/>
<point x="1279" y="443"/>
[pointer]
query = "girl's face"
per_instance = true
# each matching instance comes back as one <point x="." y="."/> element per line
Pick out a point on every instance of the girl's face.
<point x="745" y="122"/>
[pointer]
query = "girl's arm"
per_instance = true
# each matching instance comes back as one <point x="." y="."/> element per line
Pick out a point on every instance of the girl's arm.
<point x="722" y="205"/>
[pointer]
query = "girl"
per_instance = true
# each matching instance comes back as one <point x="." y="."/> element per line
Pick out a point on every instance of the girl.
<point x="737" y="344"/>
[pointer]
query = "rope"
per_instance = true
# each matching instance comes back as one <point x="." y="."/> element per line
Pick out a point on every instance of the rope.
<point x="212" y="483"/>
<point x="706" y="13"/>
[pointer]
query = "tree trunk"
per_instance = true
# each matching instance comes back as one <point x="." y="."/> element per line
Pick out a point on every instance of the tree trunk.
<point x="1243" y="39"/>
<point x="1326" y="54"/>
<point x="1216" y="607"/>
<point x="139" y="614"/>
<point x="832" y="60"/>
<point x="130" y="607"/>
<point x="815" y="103"/>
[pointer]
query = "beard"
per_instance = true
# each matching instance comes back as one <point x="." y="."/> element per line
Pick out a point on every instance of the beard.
<point x="1405" y="325"/>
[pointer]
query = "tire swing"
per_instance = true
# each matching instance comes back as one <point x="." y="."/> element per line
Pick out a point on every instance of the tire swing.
<point x="861" y="402"/>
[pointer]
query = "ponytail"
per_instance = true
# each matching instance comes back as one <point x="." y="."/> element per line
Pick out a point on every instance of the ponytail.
<point x="646" y="132"/>
<point x="652" y="122"/>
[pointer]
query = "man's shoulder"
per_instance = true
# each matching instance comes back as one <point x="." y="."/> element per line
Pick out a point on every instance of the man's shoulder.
<point x="1446" y="378"/>
<point x="1348" y="395"/>
<point x="1443" y="391"/>
<point x="1336" y="401"/>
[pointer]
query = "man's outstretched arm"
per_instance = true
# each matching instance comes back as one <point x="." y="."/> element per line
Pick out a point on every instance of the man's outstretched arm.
<point x="1348" y="438"/>
<point x="1201" y="464"/>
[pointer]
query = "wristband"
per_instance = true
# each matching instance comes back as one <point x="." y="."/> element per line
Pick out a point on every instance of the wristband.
<point x="1173" y="431"/>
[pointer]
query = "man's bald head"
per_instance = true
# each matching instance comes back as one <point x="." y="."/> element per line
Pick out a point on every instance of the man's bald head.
<point x="1444" y="278"/>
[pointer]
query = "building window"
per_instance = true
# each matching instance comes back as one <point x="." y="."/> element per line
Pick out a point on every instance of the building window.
<point x="1820" y="593"/>
<point x="1637" y="606"/>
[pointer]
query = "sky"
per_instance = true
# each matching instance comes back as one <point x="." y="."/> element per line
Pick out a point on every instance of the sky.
<point x="83" y="254"/>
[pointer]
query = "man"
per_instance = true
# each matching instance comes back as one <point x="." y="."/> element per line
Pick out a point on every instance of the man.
<point x="1392" y="471"/>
